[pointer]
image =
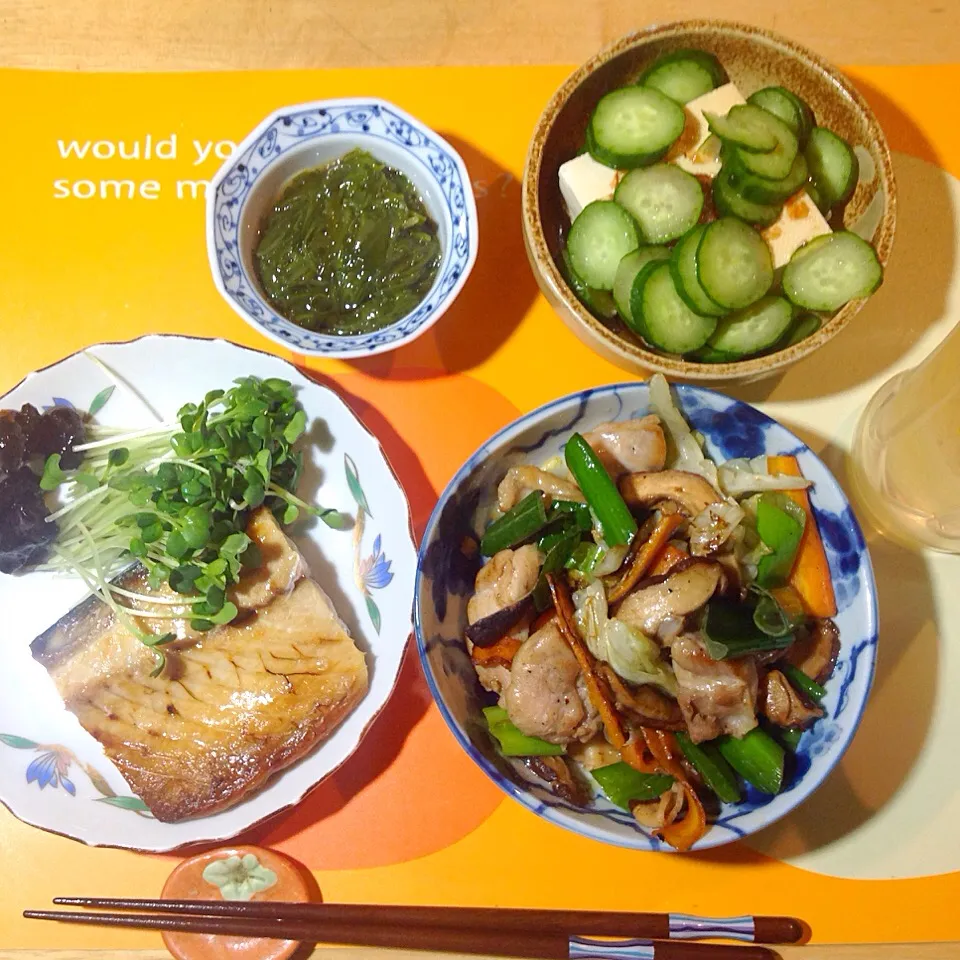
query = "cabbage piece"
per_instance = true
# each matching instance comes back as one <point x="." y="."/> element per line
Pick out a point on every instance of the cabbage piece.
<point x="631" y="654"/>
<point x="741" y="476"/>
<point x="684" y="452"/>
<point x="712" y="527"/>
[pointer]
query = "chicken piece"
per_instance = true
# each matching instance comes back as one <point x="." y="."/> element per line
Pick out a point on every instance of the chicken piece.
<point x="504" y="579"/>
<point x="686" y="589"/>
<point x="629" y="446"/>
<point x="782" y="704"/>
<point x="519" y="481"/>
<point x="716" y="696"/>
<point x="546" y="696"/>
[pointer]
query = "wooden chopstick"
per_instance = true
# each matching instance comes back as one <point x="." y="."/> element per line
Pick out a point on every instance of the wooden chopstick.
<point x="491" y="941"/>
<point x="609" y="923"/>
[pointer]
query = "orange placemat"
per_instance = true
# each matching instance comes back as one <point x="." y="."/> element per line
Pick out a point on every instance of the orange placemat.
<point x="102" y="187"/>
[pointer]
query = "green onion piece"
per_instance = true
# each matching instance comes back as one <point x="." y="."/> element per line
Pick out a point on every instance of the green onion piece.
<point x="572" y="515"/>
<point x="621" y="783"/>
<point x="585" y="558"/>
<point x="729" y="630"/>
<point x="757" y="757"/>
<point x="512" y="742"/>
<point x="780" y="524"/>
<point x="558" y="552"/>
<point x="522" y="522"/>
<point x="709" y="763"/>
<point x="802" y="682"/>
<point x="770" y="617"/>
<point x="617" y="525"/>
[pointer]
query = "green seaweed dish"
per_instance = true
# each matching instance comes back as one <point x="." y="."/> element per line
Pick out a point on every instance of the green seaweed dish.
<point x="348" y="247"/>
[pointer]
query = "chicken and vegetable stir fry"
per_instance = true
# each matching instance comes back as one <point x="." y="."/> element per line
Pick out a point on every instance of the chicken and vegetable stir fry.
<point x="653" y="625"/>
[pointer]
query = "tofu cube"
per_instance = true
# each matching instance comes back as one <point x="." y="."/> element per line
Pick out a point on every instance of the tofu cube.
<point x="686" y="152"/>
<point x="800" y="221"/>
<point x="583" y="180"/>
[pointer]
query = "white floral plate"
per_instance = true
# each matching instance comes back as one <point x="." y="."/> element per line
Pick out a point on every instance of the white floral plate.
<point x="55" y="775"/>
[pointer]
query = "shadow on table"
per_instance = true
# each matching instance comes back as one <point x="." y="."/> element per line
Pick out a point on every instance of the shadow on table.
<point x="496" y="296"/>
<point x="916" y="288"/>
<point x="899" y="711"/>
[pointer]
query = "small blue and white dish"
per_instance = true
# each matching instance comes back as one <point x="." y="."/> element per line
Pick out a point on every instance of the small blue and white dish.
<point x="446" y="572"/>
<point x="303" y="137"/>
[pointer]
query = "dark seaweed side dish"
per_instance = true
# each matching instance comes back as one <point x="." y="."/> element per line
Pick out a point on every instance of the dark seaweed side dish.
<point x="348" y="247"/>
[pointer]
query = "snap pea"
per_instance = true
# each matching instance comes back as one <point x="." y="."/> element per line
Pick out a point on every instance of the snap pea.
<point x="757" y="757"/>
<point x="622" y="784"/>
<point x="780" y="524"/>
<point x="616" y="523"/>
<point x="512" y="742"/>
<point x="709" y="763"/>
<point x="789" y="737"/>
<point x="520" y="523"/>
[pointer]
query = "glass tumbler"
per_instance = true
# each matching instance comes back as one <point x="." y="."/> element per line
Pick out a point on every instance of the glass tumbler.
<point x="905" y="462"/>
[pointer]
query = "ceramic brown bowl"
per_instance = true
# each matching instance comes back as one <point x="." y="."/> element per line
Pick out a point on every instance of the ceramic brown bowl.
<point x="753" y="58"/>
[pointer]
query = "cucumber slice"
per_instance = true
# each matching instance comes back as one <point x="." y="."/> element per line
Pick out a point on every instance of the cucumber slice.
<point x="681" y="78"/>
<point x="754" y="329"/>
<point x="833" y="166"/>
<point x="707" y="354"/>
<point x="633" y="127"/>
<point x="730" y="203"/>
<point x="830" y="271"/>
<point x="684" y="266"/>
<point x="788" y="107"/>
<point x="734" y="264"/>
<point x="665" y="200"/>
<point x="635" y="323"/>
<point x="668" y="323"/>
<point x="598" y="302"/>
<point x="599" y="239"/>
<point x="805" y="325"/>
<point x="706" y="61"/>
<point x="807" y="119"/>
<point x="760" y="189"/>
<point x="774" y="164"/>
<point x="747" y="127"/>
<point x="627" y="270"/>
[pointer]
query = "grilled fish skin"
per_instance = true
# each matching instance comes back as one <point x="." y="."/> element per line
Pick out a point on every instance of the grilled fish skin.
<point x="233" y="707"/>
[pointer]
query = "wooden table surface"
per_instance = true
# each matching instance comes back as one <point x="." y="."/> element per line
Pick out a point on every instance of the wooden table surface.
<point x="103" y="35"/>
<point x="242" y="34"/>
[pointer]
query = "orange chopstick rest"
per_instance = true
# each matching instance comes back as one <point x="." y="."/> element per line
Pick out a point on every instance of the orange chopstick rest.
<point x="233" y="873"/>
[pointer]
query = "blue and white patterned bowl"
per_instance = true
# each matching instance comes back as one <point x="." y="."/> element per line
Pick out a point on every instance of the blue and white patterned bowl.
<point x="446" y="572"/>
<point x="299" y="138"/>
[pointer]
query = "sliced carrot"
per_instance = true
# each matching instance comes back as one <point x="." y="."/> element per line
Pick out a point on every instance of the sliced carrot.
<point x="667" y="559"/>
<point x="810" y="575"/>
<point x="644" y="557"/>
<point x="597" y="688"/>
<point x="503" y="651"/>
<point x="691" y="825"/>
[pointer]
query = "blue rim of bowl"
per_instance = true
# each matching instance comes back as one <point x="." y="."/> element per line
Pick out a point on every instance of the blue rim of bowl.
<point x="524" y="796"/>
<point x="349" y="116"/>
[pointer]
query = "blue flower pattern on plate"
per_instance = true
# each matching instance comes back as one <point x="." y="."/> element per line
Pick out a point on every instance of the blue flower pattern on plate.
<point x="376" y="119"/>
<point x="448" y="562"/>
